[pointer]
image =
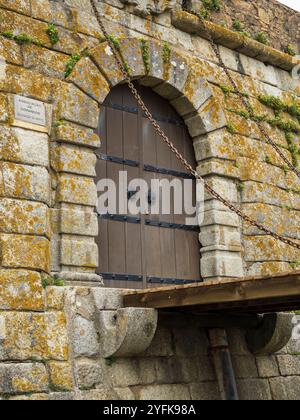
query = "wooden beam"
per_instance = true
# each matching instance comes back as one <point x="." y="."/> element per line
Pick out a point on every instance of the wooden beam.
<point x="282" y="290"/>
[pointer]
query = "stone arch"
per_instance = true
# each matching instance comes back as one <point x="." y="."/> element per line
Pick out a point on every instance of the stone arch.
<point x="180" y="80"/>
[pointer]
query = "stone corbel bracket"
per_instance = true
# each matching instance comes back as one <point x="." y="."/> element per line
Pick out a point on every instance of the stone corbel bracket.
<point x="126" y="332"/>
<point x="272" y="335"/>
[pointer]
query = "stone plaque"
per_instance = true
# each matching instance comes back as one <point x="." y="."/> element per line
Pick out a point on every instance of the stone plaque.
<point x="29" y="110"/>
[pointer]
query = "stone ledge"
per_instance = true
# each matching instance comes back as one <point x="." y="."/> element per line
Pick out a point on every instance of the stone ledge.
<point x="189" y="23"/>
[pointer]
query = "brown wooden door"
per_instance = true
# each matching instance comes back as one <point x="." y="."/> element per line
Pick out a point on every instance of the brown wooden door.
<point x="145" y="250"/>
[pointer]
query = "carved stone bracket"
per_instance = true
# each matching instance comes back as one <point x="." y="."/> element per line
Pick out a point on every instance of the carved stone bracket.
<point x="272" y="335"/>
<point x="126" y="332"/>
<point x="151" y="7"/>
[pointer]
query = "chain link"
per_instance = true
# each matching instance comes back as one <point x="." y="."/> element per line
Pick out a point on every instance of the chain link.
<point x="171" y="146"/>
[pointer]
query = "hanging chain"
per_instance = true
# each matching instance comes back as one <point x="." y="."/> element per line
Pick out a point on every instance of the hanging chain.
<point x="241" y="95"/>
<point x="171" y="146"/>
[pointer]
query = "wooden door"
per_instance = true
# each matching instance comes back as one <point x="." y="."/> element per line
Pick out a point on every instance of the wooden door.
<point x="145" y="250"/>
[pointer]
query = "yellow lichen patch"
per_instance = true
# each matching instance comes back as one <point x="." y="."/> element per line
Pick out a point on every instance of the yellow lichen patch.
<point x="55" y="297"/>
<point x="10" y="51"/>
<point x="20" y="24"/>
<point x="27" y="83"/>
<point x="88" y="77"/>
<point x="132" y="55"/>
<point x="18" y="251"/>
<point x="32" y="382"/>
<point x="73" y="105"/>
<point x="21" y="290"/>
<point x="31" y="336"/>
<point x="270" y="268"/>
<point x="280" y="219"/>
<point x="265" y="248"/>
<point x="72" y="134"/>
<point x="45" y="61"/>
<point x="74" y="160"/>
<point x="61" y="376"/>
<point x="33" y="397"/>
<point x="103" y="56"/>
<point x="24" y="217"/>
<point x="77" y="190"/>
<point x="3" y="108"/>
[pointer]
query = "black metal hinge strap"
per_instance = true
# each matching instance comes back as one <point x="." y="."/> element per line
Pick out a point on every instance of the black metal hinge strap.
<point x="120" y="218"/>
<point x="120" y="161"/>
<point x="121" y="277"/>
<point x="166" y="171"/>
<point x="167" y="225"/>
<point x="158" y="280"/>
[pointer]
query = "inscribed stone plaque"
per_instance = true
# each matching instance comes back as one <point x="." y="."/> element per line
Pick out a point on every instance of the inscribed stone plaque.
<point x="29" y="110"/>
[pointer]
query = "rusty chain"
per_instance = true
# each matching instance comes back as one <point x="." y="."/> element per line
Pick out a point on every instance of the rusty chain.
<point x="242" y="96"/>
<point x="171" y="146"/>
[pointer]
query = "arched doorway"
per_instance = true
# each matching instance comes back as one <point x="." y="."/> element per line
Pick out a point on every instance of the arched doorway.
<point x="148" y="250"/>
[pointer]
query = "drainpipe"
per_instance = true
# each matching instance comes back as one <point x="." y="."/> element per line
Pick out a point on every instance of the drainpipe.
<point x="223" y="364"/>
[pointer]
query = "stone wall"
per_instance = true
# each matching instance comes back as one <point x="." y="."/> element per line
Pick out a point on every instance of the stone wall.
<point x="176" y="366"/>
<point x="48" y="225"/>
<point x="279" y="22"/>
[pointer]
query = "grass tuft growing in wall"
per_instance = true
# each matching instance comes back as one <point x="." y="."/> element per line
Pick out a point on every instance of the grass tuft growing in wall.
<point x="52" y="33"/>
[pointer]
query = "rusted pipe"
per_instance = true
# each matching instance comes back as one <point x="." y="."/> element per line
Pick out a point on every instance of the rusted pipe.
<point x="223" y="364"/>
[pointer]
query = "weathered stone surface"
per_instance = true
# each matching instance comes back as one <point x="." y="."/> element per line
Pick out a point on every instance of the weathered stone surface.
<point x="205" y="391"/>
<point x="85" y="341"/>
<point x="26" y="182"/>
<point x="244" y="367"/>
<point x="75" y="106"/>
<point x="61" y="377"/>
<point x="132" y="55"/>
<point x="77" y="190"/>
<point x="79" y="253"/>
<point x="23" y="378"/>
<point x="24" y="146"/>
<point x="221" y="263"/>
<point x="108" y="299"/>
<point x="55" y="298"/>
<point x="74" y="134"/>
<point x="285" y="389"/>
<point x="254" y="390"/>
<point x="73" y="160"/>
<point x="255" y="192"/>
<point x="88" y="78"/>
<point x="183" y="347"/>
<point x="24" y="217"/>
<point x="31" y="397"/>
<point x="88" y="374"/>
<point x="21" y="251"/>
<point x="21" y="290"/>
<point x="163" y="392"/>
<point x="30" y="336"/>
<point x="283" y="221"/>
<point x="124" y="373"/>
<point x="45" y="61"/>
<point x="104" y="58"/>
<point x="289" y="365"/>
<point x="263" y="249"/>
<point x="27" y="83"/>
<point x="267" y="367"/>
<point x="162" y="344"/>
<point x="78" y="222"/>
<point x="220" y="235"/>
<point x="10" y="51"/>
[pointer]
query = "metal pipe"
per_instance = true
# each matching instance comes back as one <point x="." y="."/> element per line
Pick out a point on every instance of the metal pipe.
<point x="223" y="364"/>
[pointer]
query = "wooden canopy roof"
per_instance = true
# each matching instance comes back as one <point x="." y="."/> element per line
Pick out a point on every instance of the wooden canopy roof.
<point x="266" y="294"/>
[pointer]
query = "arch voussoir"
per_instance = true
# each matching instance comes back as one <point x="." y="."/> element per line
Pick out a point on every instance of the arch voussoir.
<point x="88" y="78"/>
